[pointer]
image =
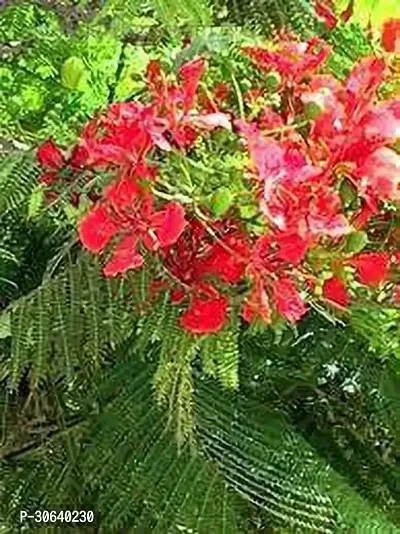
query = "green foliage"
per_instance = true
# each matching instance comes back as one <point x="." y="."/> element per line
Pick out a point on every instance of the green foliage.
<point x="105" y="402"/>
<point x="268" y="16"/>
<point x="36" y="102"/>
<point x="371" y="11"/>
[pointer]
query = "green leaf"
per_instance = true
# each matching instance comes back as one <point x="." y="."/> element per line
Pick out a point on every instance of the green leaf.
<point x="71" y="72"/>
<point x="72" y="213"/>
<point x="5" y="325"/>
<point x="356" y="242"/>
<point x="35" y="202"/>
<point x="248" y="211"/>
<point x="221" y="201"/>
<point x="347" y="193"/>
<point x="273" y="81"/>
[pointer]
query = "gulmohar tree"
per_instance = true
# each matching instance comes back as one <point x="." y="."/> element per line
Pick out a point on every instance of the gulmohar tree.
<point x="199" y="269"/>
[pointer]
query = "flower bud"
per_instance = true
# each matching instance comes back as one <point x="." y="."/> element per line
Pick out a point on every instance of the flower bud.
<point x="72" y="71"/>
<point x="273" y="81"/>
<point x="313" y="110"/>
<point x="356" y="242"/>
<point x="221" y="200"/>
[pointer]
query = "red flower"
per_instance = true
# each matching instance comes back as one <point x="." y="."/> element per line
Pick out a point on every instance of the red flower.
<point x="124" y="135"/>
<point x="79" y="157"/>
<point x="121" y="194"/>
<point x="391" y="36"/>
<point x="256" y="305"/>
<point x="362" y="85"/>
<point x="372" y="267"/>
<point x="190" y="74"/>
<point x="227" y="259"/>
<point x="50" y="156"/>
<point x="206" y="314"/>
<point x="291" y="59"/>
<point x="288" y="302"/>
<point x="128" y="213"/>
<point x="48" y="178"/>
<point x="168" y="224"/>
<point x="292" y="248"/>
<point x="125" y="256"/>
<point x="335" y="292"/>
<point x="96" y="229"/>
<point x="325" y="11"/>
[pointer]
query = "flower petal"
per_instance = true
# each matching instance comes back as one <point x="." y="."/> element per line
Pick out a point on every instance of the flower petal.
<point x="372" y="267"/>
<point x="288" y="302"/>
<point x="334" y="291"/>
<point x="169" y="223"/>
<point x="190" y="74"/>
<point x="50" y="156"/>
<point x="391" y="35"/>
<point x="96" y="229"/>
<point x="125" y="257"/>
<point x="205" y="316"/>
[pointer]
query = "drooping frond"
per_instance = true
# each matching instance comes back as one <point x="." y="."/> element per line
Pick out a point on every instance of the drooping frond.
<point x="68" y="321"/>
<point x="268" y="16"/>
<point x="18" y="177"/>
<point x="245" y="456"/>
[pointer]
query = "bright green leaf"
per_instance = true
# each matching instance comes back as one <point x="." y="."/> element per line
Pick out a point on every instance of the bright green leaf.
<point x="72" y="71"/>
<point x="356" y="241"/>
<point x="221" y="201"/>
<point x="35" y="202"/>
<point x="5" y="325"/>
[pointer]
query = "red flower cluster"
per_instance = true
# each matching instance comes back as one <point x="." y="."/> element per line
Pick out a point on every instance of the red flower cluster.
<point x="127" y="214"/>
<point x="325" y="135"/>
<point x="54" y="161"/>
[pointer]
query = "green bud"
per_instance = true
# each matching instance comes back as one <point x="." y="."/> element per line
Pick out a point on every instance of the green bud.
<point x="257" y="228"/>
<point x="221" y="200"/>
<point x="348" y="193"/>
<point x="248" y="211"/>
<point x="356" y="241"/>
<point x="72" y="71"/>
<point x="273" y="81"/>
<point x="313" y="110"/>
<point x="397" y="146"/>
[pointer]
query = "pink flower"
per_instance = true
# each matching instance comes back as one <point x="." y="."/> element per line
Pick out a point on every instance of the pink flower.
<point x="380" y="175"/>
<point x="288" y="302"/>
